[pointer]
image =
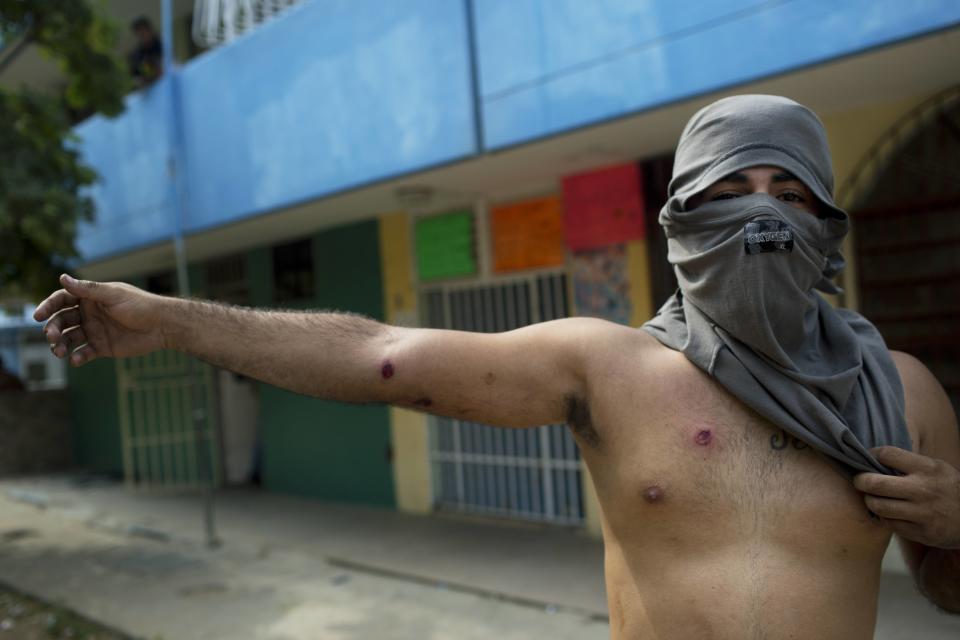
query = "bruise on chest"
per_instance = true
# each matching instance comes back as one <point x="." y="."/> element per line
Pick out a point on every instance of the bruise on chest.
<point x="701" y="440"/>
<point x="678" y="451"/>
<point x="729" y="465"/>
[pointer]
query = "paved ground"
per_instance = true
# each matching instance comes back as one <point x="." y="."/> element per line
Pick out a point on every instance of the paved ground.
<point x="293" y="569"/>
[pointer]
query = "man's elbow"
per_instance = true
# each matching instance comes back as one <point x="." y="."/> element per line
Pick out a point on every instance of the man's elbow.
<point x="945" y="602"/>
<point x="939" y="579"/>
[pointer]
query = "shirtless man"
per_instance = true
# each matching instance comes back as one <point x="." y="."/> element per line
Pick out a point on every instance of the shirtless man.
<point x="716" y="522"/>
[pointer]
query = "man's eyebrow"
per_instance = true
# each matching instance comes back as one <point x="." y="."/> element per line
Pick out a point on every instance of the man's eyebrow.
<point x="785" y="176"/>
<point x="736" y="177"/>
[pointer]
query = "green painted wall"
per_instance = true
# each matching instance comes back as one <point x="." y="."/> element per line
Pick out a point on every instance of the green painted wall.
<point x="310" y="447"/>
<point x="96" y="421"/>
<point x="325" y="450"/>
<point x="322" y="449"/>
<point x="94" y="404"/>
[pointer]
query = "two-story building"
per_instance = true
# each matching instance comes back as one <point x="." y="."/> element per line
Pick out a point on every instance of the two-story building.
<point x="480" y="165"/>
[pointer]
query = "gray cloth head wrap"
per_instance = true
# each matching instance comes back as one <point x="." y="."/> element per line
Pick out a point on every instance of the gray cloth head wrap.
<point x="747" y="311"/>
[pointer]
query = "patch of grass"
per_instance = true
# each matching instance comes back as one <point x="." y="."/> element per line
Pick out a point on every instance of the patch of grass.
<point x="26" y="618"/>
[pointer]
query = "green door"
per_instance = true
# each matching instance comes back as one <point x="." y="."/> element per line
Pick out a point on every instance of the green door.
<point x="323" y="449"/>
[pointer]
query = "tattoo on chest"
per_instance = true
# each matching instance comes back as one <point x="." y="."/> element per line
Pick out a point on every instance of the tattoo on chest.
<point x="781" y="440"/>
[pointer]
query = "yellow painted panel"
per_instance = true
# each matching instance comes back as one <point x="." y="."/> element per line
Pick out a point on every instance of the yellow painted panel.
<point x="411" y="462"/>
<point x="400" y="299"/>
<point x="851" y="134"/>
<point x="409" y="436"/>
<point x="591" y="506"/>
<point x="638" y="269"/>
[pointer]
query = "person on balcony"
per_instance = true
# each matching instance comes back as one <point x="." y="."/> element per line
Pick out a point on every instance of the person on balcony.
<point x="146" y="60"/>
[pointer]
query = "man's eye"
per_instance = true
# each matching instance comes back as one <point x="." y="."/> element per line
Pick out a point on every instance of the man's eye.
<point x="726" y="195"/>
<point x="792" y="196"/>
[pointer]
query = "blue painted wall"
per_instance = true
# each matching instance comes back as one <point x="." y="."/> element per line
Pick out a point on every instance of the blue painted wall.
<point x="133" y="195"/>
<point x="340" y="93"/>
<point x="334" y="95"/>
<point x="551" y="65"/>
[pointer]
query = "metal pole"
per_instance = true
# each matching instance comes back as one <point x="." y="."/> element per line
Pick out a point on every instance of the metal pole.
<point x="199" y="415"/>
<point x="478" y="134"/>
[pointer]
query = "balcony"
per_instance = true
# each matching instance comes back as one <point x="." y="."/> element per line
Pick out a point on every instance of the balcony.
<point x="336" y="95"/>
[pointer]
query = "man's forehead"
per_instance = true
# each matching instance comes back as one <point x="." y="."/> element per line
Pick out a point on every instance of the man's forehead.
<point x="779" y="175"/>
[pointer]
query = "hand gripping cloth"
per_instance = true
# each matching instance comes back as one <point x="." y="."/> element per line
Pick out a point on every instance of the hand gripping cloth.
<point x="748" y="312"/>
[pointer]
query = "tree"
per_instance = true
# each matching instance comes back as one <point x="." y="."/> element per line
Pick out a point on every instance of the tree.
<point x="41" y="174"/>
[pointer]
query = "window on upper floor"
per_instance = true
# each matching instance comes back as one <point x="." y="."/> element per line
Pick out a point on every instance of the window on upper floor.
<point x="293" y="271"/>
<point x="164" y="283"/>
<point x="227" y="279"/>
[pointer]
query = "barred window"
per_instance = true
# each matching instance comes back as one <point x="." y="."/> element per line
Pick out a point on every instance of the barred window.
<point x="292" y="272"/>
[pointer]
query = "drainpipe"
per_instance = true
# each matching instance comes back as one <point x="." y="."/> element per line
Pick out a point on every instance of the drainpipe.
<point x="176" y="167"/>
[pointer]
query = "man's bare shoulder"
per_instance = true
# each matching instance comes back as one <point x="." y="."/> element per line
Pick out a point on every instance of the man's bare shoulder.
<point x="610" y="345"/>
<point x="930" y="416"/>
<point x="629" y="362"/>
<point x="616" y="362"/>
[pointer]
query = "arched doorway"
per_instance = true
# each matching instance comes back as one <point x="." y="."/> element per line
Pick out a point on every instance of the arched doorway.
<point x="907" y="237"/>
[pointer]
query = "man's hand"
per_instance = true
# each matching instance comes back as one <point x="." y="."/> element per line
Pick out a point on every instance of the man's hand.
<point x="923" y="505"/>
<point x="88" y="320"/>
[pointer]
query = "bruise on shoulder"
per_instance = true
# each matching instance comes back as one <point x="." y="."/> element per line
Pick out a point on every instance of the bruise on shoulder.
<point x="580" y="421"/>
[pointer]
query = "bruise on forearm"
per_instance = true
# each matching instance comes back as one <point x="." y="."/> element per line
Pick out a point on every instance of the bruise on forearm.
<point x="418" y="400"/>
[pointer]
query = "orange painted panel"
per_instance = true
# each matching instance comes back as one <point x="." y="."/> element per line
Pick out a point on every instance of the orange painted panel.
<point x="527" y="234"/>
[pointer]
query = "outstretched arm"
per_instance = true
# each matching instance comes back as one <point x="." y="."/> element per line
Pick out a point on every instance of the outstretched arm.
<point x="923" y="505"/>
<point x="525" y="377"/>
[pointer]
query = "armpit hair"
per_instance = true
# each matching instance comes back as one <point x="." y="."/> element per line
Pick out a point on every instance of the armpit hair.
<point x="579" y="420"/>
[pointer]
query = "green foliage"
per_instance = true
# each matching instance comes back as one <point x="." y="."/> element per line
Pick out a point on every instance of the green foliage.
<point x="41" y="175"/>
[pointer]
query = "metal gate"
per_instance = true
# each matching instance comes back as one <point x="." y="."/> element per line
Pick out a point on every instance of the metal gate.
<point x="531" y="474"/>
<point x="168" y="422"/>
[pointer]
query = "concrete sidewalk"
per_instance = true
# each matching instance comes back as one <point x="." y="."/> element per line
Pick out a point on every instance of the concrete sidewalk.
<point x="524" y="562"/>
<point x="291" y="567"/>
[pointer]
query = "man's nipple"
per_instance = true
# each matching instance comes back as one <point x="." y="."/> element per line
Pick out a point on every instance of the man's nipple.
<point x="703" y="437"/>
<point x="654" y="494"/>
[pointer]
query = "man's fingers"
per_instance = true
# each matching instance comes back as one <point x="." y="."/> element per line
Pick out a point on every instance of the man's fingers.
<point x="74" y="337"/>
<point x="890" y="508"/>
<point x="82" y="354"/>
<point x="878" y="484"/>
<point x="903" y="528"/>
<point x="901" y="459"/>
<point x="87" y="289"/>
<point x="54" y="302"/>
<point x="59" y="321"/>
<point x="64" y="332"/>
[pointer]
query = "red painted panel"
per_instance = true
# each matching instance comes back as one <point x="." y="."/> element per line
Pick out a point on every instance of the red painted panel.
<point x="603" y="207"/>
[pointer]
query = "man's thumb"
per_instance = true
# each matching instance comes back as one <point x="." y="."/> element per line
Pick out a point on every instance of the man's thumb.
<point x="86" y="289"/>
